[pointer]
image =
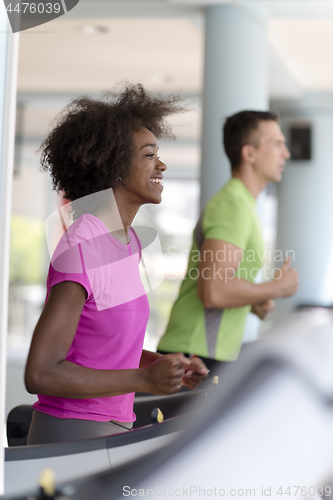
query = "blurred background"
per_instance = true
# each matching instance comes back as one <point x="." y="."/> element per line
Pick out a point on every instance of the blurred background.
<point x="221" y="57"/>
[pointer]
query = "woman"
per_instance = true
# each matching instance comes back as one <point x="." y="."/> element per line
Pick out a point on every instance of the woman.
<point x="86" y="359"/>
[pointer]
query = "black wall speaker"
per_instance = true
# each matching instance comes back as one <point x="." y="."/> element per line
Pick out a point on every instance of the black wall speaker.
<point x="300" y="142"/>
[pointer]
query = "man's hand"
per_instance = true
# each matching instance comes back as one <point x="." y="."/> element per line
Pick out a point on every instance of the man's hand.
<point x="286" y="279"/>
<point x="264" y="309"/>
<point x="195" y="373"/>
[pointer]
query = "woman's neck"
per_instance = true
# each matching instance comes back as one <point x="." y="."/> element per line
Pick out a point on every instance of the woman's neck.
<point x="127" y="207"/>
<point x="122" y="235"/>
<point x="117" y="216"/>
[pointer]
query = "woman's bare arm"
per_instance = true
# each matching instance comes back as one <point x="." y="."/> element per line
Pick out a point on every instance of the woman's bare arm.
<point x="149" y="357"/>
<point x="48" y="372"/>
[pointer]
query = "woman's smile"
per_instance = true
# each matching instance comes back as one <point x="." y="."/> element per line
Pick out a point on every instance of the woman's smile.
<point x="158" y="181"/>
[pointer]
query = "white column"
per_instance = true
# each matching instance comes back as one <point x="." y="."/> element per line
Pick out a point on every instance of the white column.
<point x="235" y="78"/>
<point x="8" y="83"/>
<point x="305" y="215"/>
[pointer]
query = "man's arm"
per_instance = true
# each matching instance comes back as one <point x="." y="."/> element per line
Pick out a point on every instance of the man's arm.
<point x="218" y="287"/>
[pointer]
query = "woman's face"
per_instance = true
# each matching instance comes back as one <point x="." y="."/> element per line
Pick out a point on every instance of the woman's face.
<point x="145" y="181"/>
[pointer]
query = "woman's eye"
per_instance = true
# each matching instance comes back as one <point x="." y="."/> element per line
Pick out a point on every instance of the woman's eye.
<point x="152" y="155"/>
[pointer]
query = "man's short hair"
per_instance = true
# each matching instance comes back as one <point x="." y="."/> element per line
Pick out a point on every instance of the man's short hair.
<point x="237" y="132"/>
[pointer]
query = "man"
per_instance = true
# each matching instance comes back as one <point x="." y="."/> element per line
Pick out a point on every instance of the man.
<point x="228" y="249"/>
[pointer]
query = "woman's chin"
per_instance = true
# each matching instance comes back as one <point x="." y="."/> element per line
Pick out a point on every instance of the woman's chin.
<point x="155" y="201"/>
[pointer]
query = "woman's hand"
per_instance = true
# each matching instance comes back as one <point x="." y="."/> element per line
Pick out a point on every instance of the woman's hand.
<point x="169" y="373"/>
<point x="195" y="373"/>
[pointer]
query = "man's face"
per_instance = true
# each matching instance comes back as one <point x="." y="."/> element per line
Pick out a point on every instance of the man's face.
<point x="271" y="153"/>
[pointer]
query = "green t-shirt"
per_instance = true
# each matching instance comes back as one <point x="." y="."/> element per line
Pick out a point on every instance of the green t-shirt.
<point x="229" y="216"/>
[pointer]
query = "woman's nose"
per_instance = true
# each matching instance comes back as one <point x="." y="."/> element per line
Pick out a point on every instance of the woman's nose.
<point x="162" y="166"/>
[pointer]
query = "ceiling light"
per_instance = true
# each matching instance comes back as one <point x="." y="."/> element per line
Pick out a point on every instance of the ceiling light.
<point x="95" y="29"/>
<point x="156" y="78"/>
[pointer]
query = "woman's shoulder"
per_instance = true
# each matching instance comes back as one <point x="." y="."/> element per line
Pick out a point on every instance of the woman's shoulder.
<point x="85" y="227"/>
<point x="76" y="239"/>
